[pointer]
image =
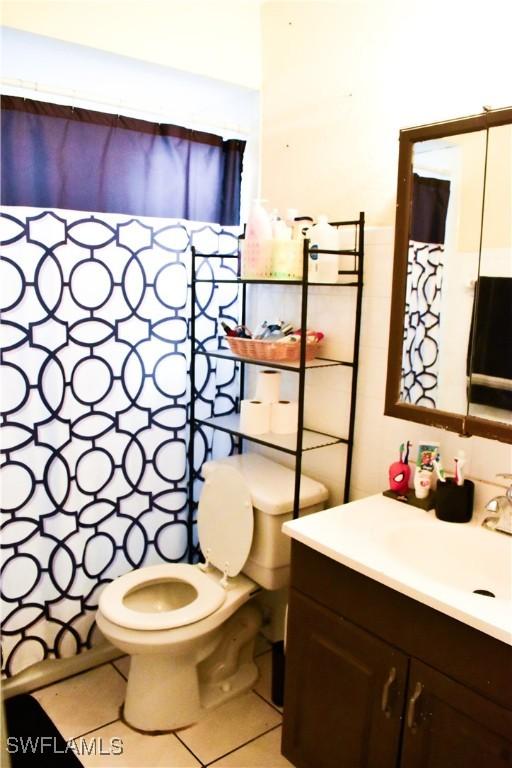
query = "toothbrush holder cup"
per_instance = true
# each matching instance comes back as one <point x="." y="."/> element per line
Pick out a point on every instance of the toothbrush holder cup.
<point x="454" y="503"/>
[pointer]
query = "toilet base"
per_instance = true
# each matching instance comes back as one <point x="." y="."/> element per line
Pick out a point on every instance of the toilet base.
<point x="166" y="692"/>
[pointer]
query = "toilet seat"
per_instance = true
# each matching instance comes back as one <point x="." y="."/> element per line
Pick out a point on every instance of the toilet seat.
<point x="225" y="528"/>
<point x="225" y="520"/>
<point x="209" y="597"/>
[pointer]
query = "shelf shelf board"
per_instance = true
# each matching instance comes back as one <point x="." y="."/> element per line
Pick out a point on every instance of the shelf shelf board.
<point x="318" y="362"/>
<point x="286" y="443"/>
<point x="261" y="281"/>
<point x="216" y="255"/>
<point x="258" y="281"/>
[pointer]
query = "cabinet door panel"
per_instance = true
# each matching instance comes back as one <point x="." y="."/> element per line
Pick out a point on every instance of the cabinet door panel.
<point x="451" y="725"/>
<point x="342" y="700"/>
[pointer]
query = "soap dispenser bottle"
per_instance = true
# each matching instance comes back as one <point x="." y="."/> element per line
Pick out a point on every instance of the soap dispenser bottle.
<point x="323" y="267"/>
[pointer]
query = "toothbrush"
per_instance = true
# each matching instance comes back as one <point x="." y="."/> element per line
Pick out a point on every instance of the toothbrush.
<point x="459" y="467"/>
<point x="456" y="473"/>
<point x="438" y="467"/>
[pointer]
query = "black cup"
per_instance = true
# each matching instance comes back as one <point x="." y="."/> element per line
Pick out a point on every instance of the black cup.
<point x="454" y="503"/>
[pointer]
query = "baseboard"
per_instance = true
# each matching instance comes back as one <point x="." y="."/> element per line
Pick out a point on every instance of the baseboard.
<point x="52" y="670"/>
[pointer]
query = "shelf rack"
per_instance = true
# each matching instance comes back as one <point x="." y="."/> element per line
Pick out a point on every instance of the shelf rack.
<point x="305" y="439"/>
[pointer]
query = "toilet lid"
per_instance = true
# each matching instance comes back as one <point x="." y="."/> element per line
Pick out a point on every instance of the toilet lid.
<point x="225" y="519"/>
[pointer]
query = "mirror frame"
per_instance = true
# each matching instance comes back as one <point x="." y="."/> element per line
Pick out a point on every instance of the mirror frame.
<point x="464" y="424"/>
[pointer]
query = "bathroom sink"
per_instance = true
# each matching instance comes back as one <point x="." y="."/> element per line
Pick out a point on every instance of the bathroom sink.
<point x="462" y="570"/>
<point x="467" y="557"/>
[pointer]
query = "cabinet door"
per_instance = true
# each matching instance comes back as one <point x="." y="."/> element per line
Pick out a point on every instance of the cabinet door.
<point x="449" y="725"/>
<point x="344" y="692"/>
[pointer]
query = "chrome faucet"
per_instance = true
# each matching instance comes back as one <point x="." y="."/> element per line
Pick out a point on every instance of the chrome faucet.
<point x="501" y="508"/>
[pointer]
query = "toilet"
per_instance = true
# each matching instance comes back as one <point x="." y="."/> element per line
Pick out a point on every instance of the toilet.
<point x="190" y="629"/>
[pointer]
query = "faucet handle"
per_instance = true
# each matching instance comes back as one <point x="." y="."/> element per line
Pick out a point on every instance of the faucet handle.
<point x="508" y="492"/>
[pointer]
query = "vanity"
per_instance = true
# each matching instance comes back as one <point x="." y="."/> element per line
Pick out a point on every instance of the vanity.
<point x="396" y="656"/>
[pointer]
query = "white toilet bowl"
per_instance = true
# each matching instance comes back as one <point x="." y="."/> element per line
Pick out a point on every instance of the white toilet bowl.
<point x="190" y="640"/>
<point x="190" y="629"/>
<point x="187" y="628"/>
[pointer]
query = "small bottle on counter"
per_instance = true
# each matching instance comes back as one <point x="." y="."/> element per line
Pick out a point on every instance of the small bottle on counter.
<point x="422" y="483"/>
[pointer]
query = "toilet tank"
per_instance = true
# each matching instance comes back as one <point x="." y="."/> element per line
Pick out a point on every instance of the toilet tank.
<point x="272" y="488"/>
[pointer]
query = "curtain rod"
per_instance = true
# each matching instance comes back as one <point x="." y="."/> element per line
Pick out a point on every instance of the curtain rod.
<point x="35" y="90"/>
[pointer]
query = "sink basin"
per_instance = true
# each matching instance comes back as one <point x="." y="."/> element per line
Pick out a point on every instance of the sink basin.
<point x="462" y="570"/>
<point x="468" y="558"/>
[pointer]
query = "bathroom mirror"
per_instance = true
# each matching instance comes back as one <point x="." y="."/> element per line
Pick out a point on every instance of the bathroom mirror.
<point x="450" y="348"/>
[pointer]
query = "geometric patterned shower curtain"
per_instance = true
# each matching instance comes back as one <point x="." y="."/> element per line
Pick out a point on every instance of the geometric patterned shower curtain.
<point x="420" y="350"/>
<point x="422" y="322"/>
<point x="95" y="397"/>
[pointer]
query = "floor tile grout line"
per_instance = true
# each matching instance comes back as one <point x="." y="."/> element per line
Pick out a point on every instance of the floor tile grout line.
<point x="189" y="750"/>
<point x="119" y="671"/>
<point x="270" y="703"/>
<point x="244" y="744"/>
<point x="92" y="730"/>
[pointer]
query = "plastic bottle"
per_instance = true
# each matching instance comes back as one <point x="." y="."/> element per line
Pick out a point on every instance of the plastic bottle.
<point x="422" y="483"/>
<point x="301" y="227"/>
<point x="258" y="224"/>
<point x="257" y="246"/>
<point x="323" y="267"/>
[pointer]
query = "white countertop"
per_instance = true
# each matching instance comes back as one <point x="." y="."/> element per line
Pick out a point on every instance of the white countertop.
<point x="409" y="550"/>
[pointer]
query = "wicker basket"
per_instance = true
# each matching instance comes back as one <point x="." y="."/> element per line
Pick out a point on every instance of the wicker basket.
<point x="274" y="351"/>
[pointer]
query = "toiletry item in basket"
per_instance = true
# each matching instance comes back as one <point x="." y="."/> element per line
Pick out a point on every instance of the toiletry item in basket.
<point x="242" y="332"/>
<point x="227" y="330"/>
<point x="400" y="473"/>
<point x="422" y="483"/>
<point x="272" y="330"/>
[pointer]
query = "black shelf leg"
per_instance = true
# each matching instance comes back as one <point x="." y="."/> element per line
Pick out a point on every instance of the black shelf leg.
<point x="278" y="670"/>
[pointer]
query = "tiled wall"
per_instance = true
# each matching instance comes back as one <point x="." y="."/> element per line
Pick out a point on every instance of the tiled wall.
<point x="377" y="437"/>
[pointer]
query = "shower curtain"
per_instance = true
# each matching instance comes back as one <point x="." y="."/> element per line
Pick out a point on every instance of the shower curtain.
<point x="95" y="340"/>
<point x="422" y="318"/>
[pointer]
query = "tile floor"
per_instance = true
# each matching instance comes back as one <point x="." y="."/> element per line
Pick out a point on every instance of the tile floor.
<point x="243" y="733"/>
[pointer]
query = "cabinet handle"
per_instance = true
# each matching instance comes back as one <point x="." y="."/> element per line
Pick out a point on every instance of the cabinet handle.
<point x="411" y="709"/>
<point x="385" y="692"/>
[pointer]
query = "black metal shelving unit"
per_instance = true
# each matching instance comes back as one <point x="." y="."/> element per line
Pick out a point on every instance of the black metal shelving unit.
<point x="306" y="439"/>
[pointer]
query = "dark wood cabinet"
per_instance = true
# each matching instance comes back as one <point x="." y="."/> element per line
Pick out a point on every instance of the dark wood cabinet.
<point x="377" y="680"/>
<point x="346" y="695"/>
<point x="447" y="725"/>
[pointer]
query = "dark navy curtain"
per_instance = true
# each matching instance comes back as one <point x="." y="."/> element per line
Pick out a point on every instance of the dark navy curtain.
<point x="430" y="199"/>
<point x="65" y="157"/>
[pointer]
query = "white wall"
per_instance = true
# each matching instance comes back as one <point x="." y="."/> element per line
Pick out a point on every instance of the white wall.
<point x="354" y="73"/>
<point x="220" y="39"/>
<point x="341" y="78"/>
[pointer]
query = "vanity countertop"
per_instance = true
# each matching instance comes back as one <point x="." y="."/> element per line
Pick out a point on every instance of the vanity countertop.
<point x="439" y="564"/>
